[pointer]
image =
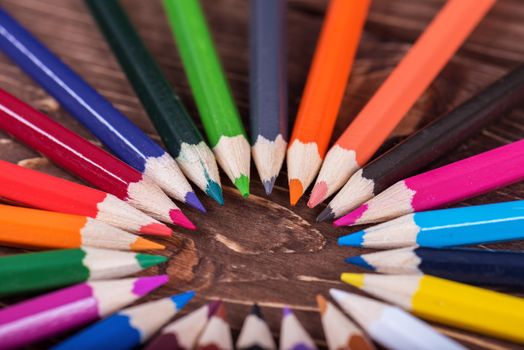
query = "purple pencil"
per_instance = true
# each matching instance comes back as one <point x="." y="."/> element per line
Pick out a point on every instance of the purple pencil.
<point x="292" y="335"/>
<point x="69" y="308"/>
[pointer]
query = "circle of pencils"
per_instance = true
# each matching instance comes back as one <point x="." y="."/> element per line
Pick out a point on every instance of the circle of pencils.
<point x="466" y="178"/>
<point x="97" y="114"/>
<point x="215" y="104"/>
<point x="47" y="192"/>
<point x="86" y="160"/>
<point x="164" y="107"/>
<point x="129" y="327"/>
<point x="33" y="272"/>
<point x="69" y="308"/>
<point x="452" y="303"/>
<point x="476" y="224"/>
<point x="428" y="144"/>
<point x="391" y="326"/>
<point x="33" y="228"/>
<point x="398" y="93"/>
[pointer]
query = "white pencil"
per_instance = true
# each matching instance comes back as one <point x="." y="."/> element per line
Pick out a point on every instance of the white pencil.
<point x="255" y="333"/>
<point x="292" y="335"/>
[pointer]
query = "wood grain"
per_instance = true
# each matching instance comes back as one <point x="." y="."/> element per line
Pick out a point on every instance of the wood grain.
<point x="260" y="249"/>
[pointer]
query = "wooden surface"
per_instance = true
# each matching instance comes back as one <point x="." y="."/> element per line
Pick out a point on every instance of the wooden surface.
<point x="260" y="249"/>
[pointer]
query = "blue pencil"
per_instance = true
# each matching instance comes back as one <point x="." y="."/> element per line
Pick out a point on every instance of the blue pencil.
<point x="128" y="328"/>
<point x="268" y="88"/>
<point x="479" y="224"/>
<point x="499" y="268"/>
<point x="97" y="114"/>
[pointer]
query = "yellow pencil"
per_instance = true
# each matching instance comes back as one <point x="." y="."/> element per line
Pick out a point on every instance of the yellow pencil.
<point x="452" y="303"/>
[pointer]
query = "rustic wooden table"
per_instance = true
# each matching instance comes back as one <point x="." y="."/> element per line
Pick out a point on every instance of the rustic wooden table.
<point x="260" y="249"/>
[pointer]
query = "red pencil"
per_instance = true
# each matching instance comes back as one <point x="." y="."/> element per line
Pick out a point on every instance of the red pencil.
<point x="43" y="191"/>
<point x="85" y="160"/>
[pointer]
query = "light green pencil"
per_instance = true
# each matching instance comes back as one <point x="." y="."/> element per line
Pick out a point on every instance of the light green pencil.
<point x="219" y="114"/>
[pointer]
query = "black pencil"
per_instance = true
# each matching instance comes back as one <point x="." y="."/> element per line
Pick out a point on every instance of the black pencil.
<point x="268" y="88"/>
<point x="428" y="144"/>
<point x="499" y="268"/>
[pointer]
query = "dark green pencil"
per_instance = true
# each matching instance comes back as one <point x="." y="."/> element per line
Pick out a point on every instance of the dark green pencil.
<point x="180" y="135"/>
<point x="35" y="272"/>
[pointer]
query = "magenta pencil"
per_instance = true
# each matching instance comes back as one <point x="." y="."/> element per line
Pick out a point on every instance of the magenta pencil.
<point x="69" y="308"/>
<point x="466" y="178"/>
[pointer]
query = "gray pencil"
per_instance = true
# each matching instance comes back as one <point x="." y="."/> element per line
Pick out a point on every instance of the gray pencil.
<point x="268" y="88"/>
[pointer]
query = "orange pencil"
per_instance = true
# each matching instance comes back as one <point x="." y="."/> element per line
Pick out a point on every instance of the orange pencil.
<point x="324" y="91"/>
<point x="398" y="93"/>
<point x="32" y="228"/>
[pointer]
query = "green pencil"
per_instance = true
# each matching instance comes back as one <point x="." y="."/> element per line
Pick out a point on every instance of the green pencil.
<point x="219" y="114"/>
<point x="35" y="272"/>
<point x="180" y="135"/>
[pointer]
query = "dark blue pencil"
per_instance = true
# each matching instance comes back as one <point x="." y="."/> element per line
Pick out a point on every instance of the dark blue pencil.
<point x="499" y="268"/>
<point x="97" y="114"/>
<point x="128" y="328"/>
<point x="268" y="88"/>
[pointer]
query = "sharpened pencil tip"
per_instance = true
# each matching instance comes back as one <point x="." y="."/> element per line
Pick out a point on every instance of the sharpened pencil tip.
<point x="318" y="194"/>
<point x="242" y="184"/>
<point x="268" y="185"/>
<point x="180" y="219"/>
<point x="145" y="244"/>
<point x="144" y="285"/>
<point x="182" y="299"/>
<point x="214" y="191"/>
<point x="156" y="229"/>
<point x="326" y="214"/>
<point x="360" y="262"/>
<point x="352" y="240"/>
<point x="193" y="201"/>
<point x="355" y="279"/>
<point x="148" y="260"/>
<point x="352" y="217"/>
<point x="295" y="191"/>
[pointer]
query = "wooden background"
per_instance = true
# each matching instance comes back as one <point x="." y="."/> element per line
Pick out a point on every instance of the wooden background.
<point x="260" y="249"/>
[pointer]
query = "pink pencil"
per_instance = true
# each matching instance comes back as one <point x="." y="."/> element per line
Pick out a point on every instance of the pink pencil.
<point x="449" y="184"/>
<point x="69" y="308"/>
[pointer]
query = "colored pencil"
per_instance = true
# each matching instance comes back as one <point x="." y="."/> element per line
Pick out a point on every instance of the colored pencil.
<point x="391" y="326"/>
<point x="183" y="333"/>
<point x="488" y="223"/>
<point x="447" y="302"/>
<point x="213" y="97"/>
<point x="255" y="333"/>
<point x="128" y="328"/>
<point x="466" y="178"/>
<point x="48" y="192"/>
<point x="498" y="268"/>
<point x="292" y="335"/>
<point x="324" y="91"/>
<point x="33" y="228"/>
<point x="170" y="117"/>
<point x="268" y="88"/>
<point x="96" y="113"/>
<point x="66" y="309"/>
<point x="339" y="331"/>
<point x="395" y="97"/>
<point x="428" y="144"/>
<point x="217" y="334"/>
<point x="85" y="160"/>
<point x="34" y="272"/>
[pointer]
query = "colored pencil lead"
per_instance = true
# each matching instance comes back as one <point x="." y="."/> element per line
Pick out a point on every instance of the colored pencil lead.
<point x="84" y="159"/>
<point x="292" y="335"/>
<point x="171" y="119"/>
<point x="408" y="81"/>
<point x="391" y="326"/>
<point x="214" y="101"/>
<point x="324" y="91"/>
<point x="447" y="302"/>
<point x="34" y="272"/>
<point x="182" y="334"/>
<point x="255" y="333"/>
<point x="128" y="328"/>
<point x="442" y="186"/>
<point x="91" y="109"/>
<point x="428" y="144"/>
<point x="70" y="308"/>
